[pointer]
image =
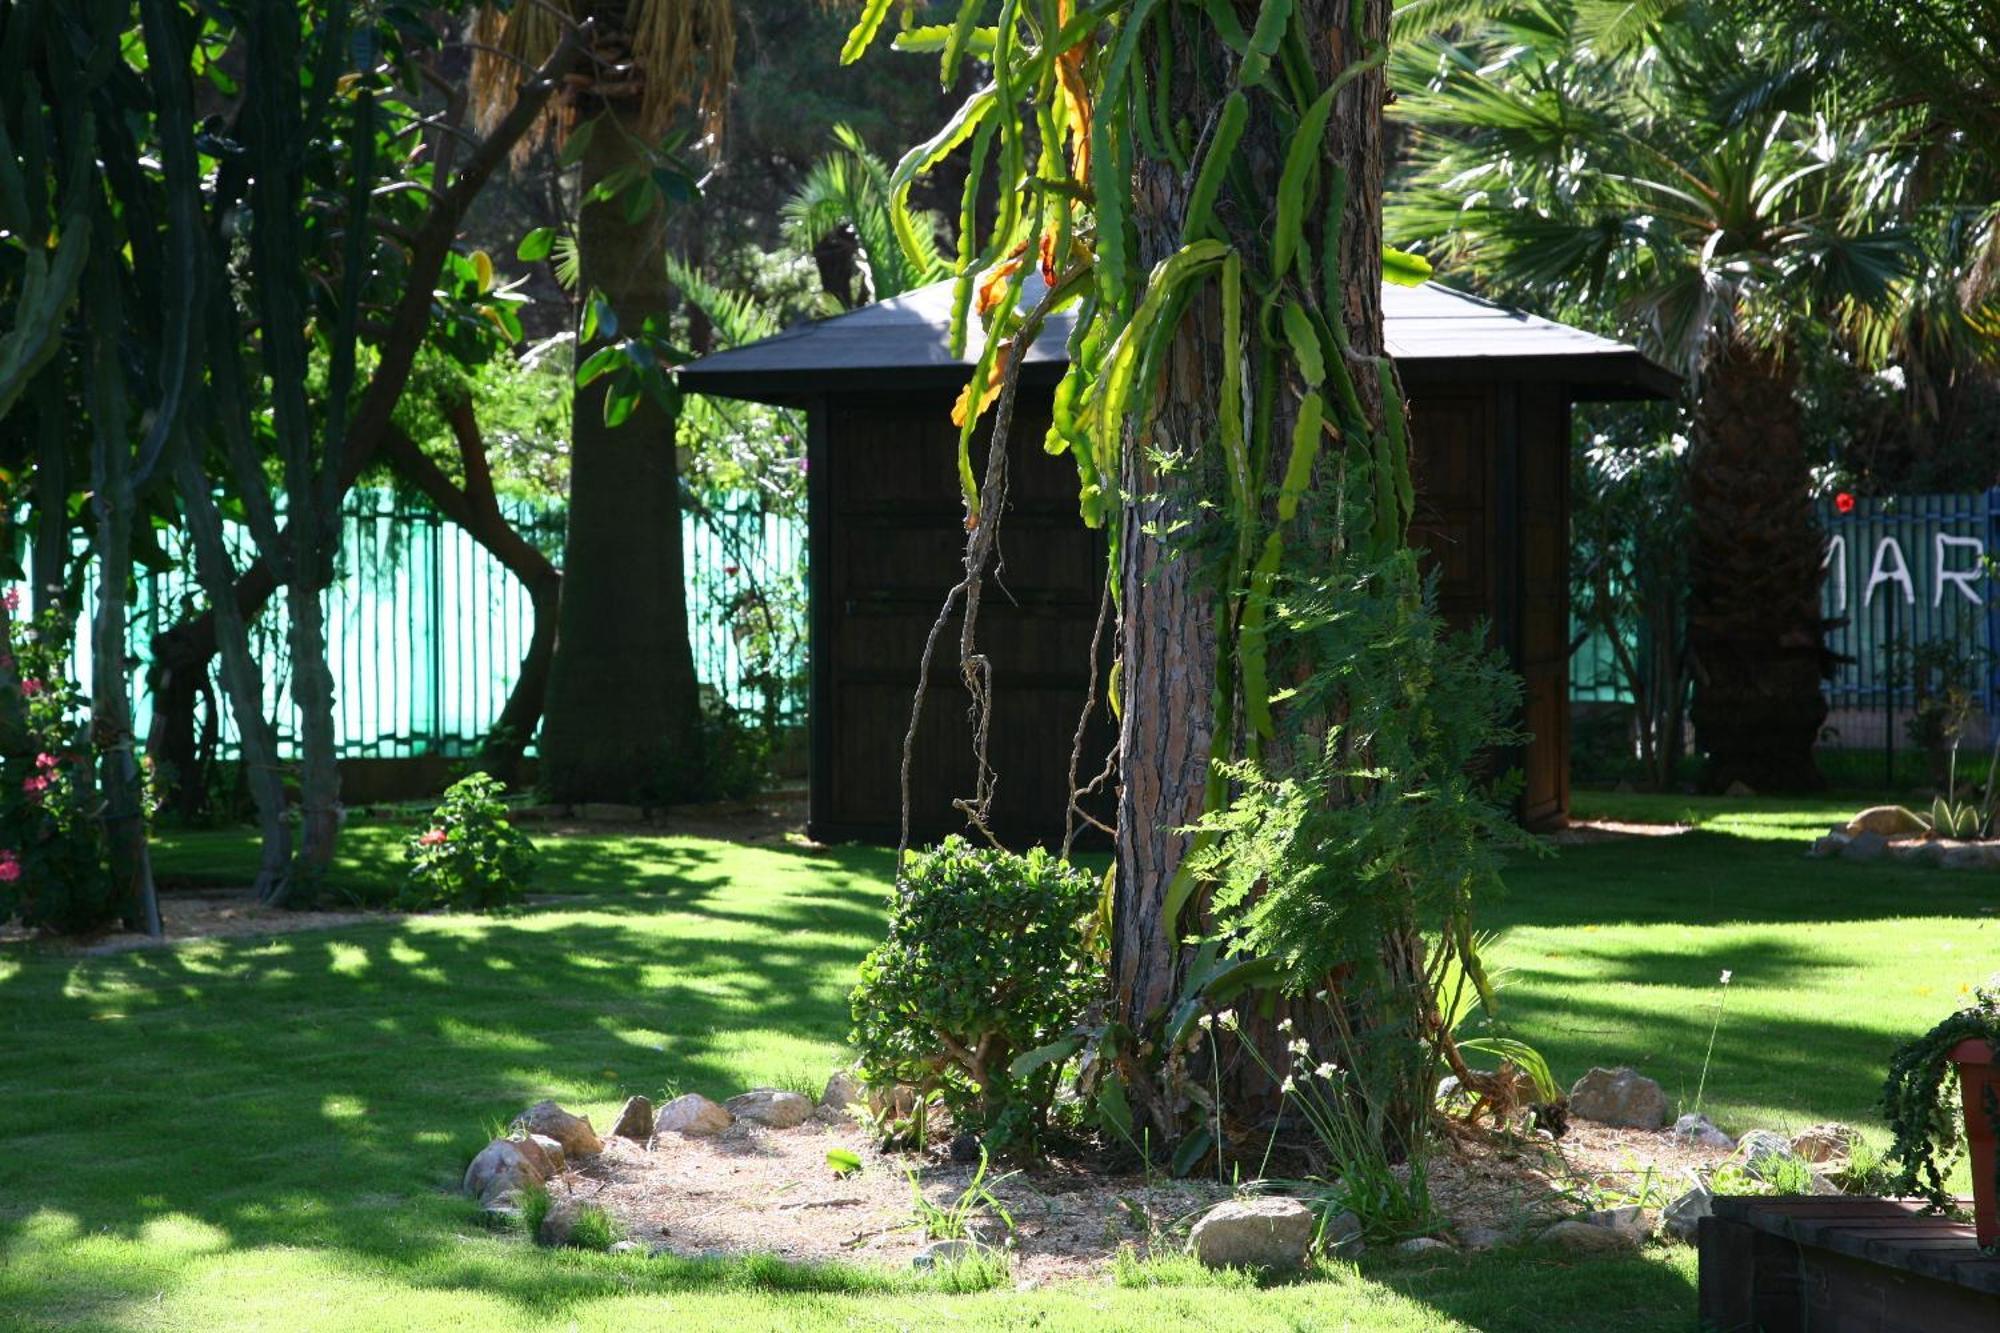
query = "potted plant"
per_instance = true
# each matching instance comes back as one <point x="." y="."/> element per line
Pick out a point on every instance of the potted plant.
<point x="1930" y="1131"/>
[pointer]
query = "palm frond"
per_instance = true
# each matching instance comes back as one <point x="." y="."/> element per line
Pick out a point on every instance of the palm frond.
<point x="737" y="317"/>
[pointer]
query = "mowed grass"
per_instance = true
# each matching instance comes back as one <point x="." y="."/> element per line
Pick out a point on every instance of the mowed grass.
<point x="269" y="1132"/>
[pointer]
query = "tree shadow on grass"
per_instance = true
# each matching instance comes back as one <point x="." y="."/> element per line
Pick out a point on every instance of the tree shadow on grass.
<point x="1540" y="1291"/>
<point x="326" y="1089"/>
<point x="1706" y="877"/>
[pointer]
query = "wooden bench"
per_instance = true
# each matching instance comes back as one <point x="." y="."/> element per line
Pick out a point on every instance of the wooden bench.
<point x="1843" y="1265"/>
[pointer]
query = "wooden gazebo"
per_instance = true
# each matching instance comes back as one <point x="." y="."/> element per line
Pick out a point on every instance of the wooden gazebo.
<point x="1490" y="391"/>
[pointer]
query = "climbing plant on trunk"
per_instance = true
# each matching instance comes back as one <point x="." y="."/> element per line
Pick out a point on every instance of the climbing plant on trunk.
<point x="1201" y="182"/>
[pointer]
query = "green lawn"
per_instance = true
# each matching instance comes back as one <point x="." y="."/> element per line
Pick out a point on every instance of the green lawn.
<point x="269" y="1132"/>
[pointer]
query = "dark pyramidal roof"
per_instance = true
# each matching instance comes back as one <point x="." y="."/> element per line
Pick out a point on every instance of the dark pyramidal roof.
<point x="902" y="345"/>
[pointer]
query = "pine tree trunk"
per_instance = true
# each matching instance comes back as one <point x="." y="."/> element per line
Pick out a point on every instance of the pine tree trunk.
<point x="622" y="706"/>
<point x="1755" y="629"/>
<point x="1169" y="679"/>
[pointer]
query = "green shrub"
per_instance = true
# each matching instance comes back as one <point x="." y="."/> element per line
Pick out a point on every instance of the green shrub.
<point x="985" y="961"/>
<point x="729" y="760"/>
<point x="470" y="856"/>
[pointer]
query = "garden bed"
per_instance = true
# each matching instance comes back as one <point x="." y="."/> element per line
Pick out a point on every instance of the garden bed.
<point x="754" y="1190"/>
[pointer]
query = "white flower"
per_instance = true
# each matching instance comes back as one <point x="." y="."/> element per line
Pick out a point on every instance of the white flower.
<point x="1327" y="1070"/>
<point x="1206" y="1021"/>
<point x="1297" y="1046"/>
<point x="1227" y="1018"/>
<point x="1725" y="976"/>
<point x="1287" y="1086"/>
<point x="1284" y="1025"/>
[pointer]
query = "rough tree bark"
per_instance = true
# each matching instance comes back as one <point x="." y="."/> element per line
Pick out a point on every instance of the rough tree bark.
<point x="1755" y="630"/>
<point x="1167" y="622"/>
<point x="622" y="703"/>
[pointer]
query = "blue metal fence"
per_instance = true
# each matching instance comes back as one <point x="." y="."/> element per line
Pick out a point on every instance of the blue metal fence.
<point x="1901" y="572"/>
<point x="426" y="630"/>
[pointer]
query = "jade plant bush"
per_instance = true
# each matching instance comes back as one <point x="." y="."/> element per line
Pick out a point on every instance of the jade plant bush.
<point x="986" y="960"/>
<point x="1921" y="1102"/>
<point x="469" y="857"/>
<point x="53" y="872"/>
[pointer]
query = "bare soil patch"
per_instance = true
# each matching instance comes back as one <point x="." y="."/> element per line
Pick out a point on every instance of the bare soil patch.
<point x="200" y="914"/>
<point x="1580" y="831"/>
<point x="759" y="1191"/>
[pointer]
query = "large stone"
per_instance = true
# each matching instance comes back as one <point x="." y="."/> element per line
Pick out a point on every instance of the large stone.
<point x="943" y="1253"/>
<point x="506" y="1166"/>
<point x="693" y="1115"/>
<point x="1972" y="856"/>
<point x="1585" y="1238"/>
<point x="1825" y="1143"/>
<point x="1340" y="1232"/>
<point x="1683" y="1216"/>
<point x="1864" y="847"/>
<point x="1622" y="1097"/>
<point x="774" y="1108"/>
<point x="1703" y="1132"/>
<point x="635" y="1120"/>
<point x="1763" y="1151"/>
<point x="573" y="1132"/>
<point x="1477" y="1240"/>
<point x="1253" y="1233"/>
<point x="1424" y="1245"/>
<point x="1830" y="845"/>
<point x="558" y="1160"/>
<point x="843" y="1089"/>
<point x="1629" y="1220"/>
<point x="1887" y="821"/>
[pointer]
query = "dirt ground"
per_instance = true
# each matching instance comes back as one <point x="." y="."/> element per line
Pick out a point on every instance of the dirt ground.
<point x="755" y="1190"/>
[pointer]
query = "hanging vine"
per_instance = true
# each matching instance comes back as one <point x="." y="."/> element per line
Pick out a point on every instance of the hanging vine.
<point x="1176" y="173"/>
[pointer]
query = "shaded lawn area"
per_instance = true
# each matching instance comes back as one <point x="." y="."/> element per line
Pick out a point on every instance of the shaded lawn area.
<point x="270" y="1131"/>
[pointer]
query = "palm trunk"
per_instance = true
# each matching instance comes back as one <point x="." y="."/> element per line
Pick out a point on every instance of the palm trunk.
<point x="622" y="711"/>
<point x="1755" y="628"/>
<point x="1170" y="677"/>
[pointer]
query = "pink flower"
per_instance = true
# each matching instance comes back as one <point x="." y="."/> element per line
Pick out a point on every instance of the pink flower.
<point x="34" y="787"/>
<point x="46" y="760"/>
<point x="12" y="597"/>
<point x="433" y="838"/>
<point x="10" y="866"/>
<point x="31" y="687"/>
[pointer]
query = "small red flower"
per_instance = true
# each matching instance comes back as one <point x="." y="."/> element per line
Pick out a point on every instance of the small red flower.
<point x="729" y="570"/>
<point x="10" y="866"/>
<point x="31" y="687"/>
<point x="433" y="838"/>
<point x="1844" y="502"/>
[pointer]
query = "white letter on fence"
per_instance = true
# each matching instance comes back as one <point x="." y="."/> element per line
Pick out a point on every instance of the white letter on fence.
<point x="1964" y="578"/>
<point x="1882" y="574"/>
<point x="1836" y="560"/>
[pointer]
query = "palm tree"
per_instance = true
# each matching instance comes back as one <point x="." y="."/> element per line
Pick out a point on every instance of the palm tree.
<point x="1702" y="189"/>
<point x="622" y="689"/>
<point x="841" y="214"/>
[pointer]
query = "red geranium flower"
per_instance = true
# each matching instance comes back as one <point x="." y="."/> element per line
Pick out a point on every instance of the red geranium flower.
<point x="1844" y="502"/>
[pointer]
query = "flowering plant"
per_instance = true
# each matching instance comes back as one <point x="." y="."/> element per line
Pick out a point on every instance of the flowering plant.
<point x="469" y="856"/>
<point x="52" y="866"/>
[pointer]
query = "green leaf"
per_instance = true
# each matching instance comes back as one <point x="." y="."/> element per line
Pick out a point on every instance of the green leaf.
<point x="1193" y="1147"/>
<point x="1215" y="164"/>
<point x="1403" y="268"/>
<point x="1264" y="39"/>
<point x="597" y="363"/>
<point x="863" y="34"/>
<point x="577" y="144"/>
<point x="1304" y="340"/>
<point x="536" y="245"/>
<point x="1052" y="1054"/>
<point x="1301" y="157"/>
<point x="844" y="1161"/>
